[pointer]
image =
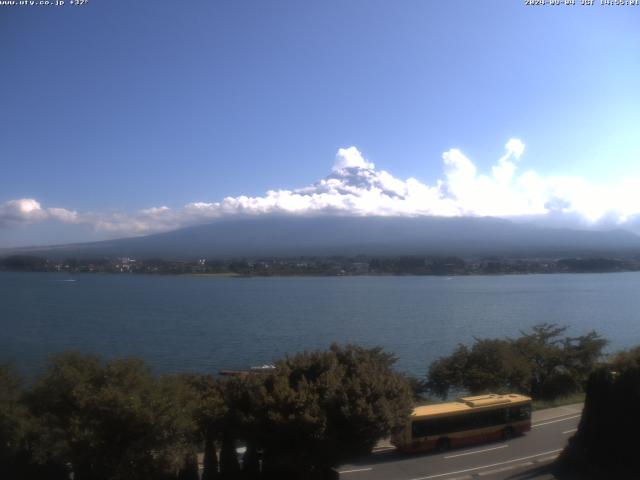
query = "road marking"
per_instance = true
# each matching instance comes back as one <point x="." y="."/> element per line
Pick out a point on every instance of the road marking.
<point x="546" y="459"/>
<point x="563" y="415"/>
<point x="382" y="449"/>
<point x="570" y="431"/>
<point x="555" y="421"/>
<point x="488" y="466"/>
<point x="496" y="470"/>
<point x="476" y="451"/>
<point x="513" y="467"/>
<point x="356" y="470"/>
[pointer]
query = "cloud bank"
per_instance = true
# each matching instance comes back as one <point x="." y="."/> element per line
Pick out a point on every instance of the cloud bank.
<point x="29" y="210"/>
<point x="356" y="187"/>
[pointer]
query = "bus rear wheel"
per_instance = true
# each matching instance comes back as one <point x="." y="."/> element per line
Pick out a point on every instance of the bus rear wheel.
<point x="442" y="445"/>
<point x="508" y="433"/>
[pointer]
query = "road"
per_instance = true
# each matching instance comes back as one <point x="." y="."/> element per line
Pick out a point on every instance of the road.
<point x="550" y="430"/>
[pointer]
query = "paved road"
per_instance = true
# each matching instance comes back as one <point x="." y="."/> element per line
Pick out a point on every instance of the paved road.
<point x="551" y="429"/>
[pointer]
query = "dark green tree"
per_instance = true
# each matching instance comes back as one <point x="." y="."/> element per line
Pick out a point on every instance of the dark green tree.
<point x="488" y="366"/>
<point x="112" y="421"/>
<point x="321" y="408"/>
<point x="559" y="365"/>
<point x="251" y="461"/>
<point x="625" y="360"/>
<point x="189" y="470"/>
<point x="605" y="445"/>
<point x="14" y="426"/>
<point x="243" y="397"/>
<point x="542" y="363"/>
<point x="209" y="413"/>
<point x="229" y="465"/>
<point x="448" y="372"/>
<point x="495" y="366"/>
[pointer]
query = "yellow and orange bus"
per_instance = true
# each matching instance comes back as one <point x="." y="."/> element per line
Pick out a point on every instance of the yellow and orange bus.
<point x="467" y="421"/>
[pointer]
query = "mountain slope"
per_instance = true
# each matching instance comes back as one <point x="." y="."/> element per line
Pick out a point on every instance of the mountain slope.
<point x="296" y="236"/>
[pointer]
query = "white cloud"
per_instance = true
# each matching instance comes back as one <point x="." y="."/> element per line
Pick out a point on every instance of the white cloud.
<point x="356" y="188"/>
<point x="350" y="158"/>
<point x="63" y="215"/>
<point x="29" y="210"/>
<point x="506" y="167"/>
<point x="515" y="147"/>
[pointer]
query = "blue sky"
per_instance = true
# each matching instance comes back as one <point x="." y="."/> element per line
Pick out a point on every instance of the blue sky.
<point x="119" y="115"/>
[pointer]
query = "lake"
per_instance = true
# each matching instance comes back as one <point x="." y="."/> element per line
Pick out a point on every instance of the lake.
<point x="204" y="324"/>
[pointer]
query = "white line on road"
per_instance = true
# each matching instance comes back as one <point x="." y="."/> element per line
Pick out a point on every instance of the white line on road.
<point x="570" y="431"/>
<point x="476" y="451"/>
<point x="496" y="470"/>
<point x="488" y="466"/>
<point x="555" y="421"/>
<point x="356" y="470"/>
<point x="560" y="416"/>
<point x="382" y="449"/>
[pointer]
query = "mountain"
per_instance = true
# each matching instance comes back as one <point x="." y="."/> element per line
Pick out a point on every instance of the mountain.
<point x="289" y="236"/>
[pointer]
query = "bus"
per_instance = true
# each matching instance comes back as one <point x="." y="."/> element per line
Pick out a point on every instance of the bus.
<point x="467" y="421"/>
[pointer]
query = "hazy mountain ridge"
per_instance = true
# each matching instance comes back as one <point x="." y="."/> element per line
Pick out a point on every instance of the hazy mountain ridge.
<point x="288" y="236"/>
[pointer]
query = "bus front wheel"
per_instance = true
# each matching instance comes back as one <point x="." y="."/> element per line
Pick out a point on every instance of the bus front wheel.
<point x="508" y="433"/>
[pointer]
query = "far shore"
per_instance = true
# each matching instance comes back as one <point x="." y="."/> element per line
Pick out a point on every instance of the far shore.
<point x="328" y="266"/>
<point x="316" y="275"/>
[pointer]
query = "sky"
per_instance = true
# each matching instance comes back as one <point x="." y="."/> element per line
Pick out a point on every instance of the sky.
<point x="126" y="118"/>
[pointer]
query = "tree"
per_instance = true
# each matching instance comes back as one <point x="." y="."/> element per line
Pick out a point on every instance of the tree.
<point x="605" y="445"/>
<point x="541" y="363"/>
<point x="626" y="360"/>
<point x="209" y="413"/>
<point x="244" y="401"/>
<point x="321" y="408"/>
<point x="24" y="263"/>
<point x="490" y="365"/>
<point x="448" y="372"/>
<point x="229" y="465"/>
<point x="559" y="365"/>
<point x="583" y="354"/>
<point x="14" y="425"/>
<point x="493" y="365"/>
<point x="112" y="420"/>
<point x="251" y="461"/>
<point x="189" y="471"/>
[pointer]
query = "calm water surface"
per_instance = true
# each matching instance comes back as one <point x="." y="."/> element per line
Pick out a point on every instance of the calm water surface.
<point x="185" y="323"/>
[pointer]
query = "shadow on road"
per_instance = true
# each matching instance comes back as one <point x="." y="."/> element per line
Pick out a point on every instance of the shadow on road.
<point x="553" y="471"/>
<point x="384" y="457"/>
<point x="394" y="455"/>
<point x="537" y="473"/>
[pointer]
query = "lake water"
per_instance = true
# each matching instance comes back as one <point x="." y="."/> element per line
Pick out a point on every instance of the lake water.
<point x="187" y="323"/>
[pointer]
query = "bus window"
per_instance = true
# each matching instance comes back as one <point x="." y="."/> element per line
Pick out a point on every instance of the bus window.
<point x="439" y="426"/>
<point x="490" y="418"/>
<point x="522" y="412"/>
<point x="419" y="429"/>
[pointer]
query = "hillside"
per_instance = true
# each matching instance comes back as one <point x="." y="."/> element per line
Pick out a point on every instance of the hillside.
<point x="324" y="236"/>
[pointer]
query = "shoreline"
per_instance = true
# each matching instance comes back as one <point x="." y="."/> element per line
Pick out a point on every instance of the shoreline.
<point x="318" y="275"/>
